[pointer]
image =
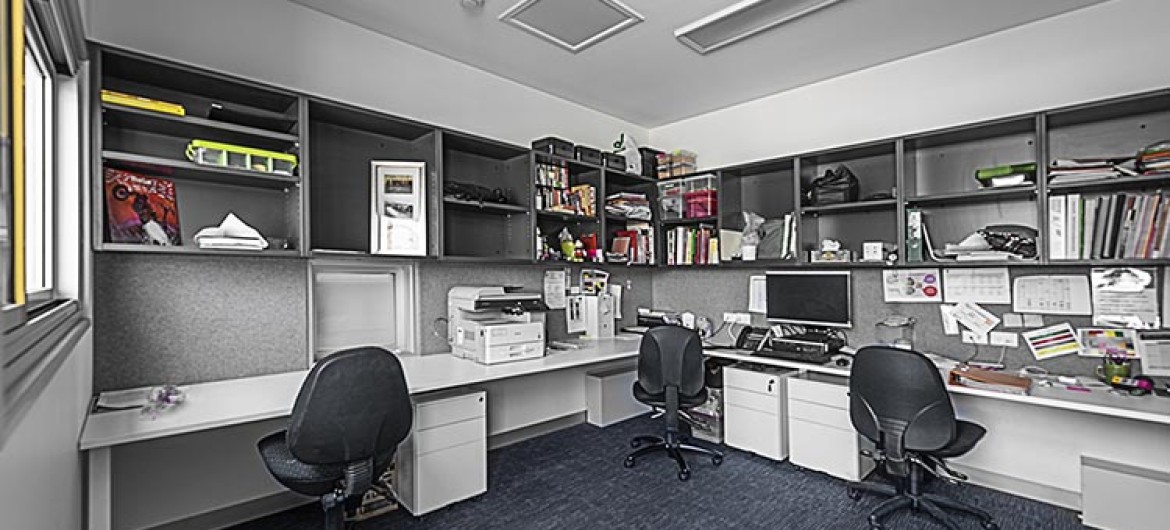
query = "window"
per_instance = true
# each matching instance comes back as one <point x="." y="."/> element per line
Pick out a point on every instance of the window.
<point x="362" y="305"/>
<point x="38" y="327"/>
<point x="38" y="170"/>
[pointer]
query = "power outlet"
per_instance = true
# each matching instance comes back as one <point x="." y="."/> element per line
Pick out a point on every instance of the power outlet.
<point x="738" y="318"/>
<point x="1005" y="338"/>
<point x="970" y="337"/>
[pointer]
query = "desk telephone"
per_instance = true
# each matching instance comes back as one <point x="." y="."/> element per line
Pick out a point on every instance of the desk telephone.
<point x="750" y="338"/>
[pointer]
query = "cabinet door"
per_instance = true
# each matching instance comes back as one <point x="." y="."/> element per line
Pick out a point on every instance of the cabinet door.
<point x="755" y="431"/>
<point x="825" y="449"/>
<point x="451" y="475"/>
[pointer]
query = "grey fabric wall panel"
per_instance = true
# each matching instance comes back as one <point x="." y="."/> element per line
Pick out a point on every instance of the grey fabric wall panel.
<point x="188" y="319"/>
<point x="713" y="292"/>
<point x="437" y="278"/>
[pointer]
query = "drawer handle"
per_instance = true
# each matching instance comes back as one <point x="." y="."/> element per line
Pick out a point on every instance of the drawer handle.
<point x="770" y="383"/>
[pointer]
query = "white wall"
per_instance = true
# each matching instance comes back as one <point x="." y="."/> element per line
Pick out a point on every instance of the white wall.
<point x="41" y="473"/>
<point x="286" y="44"/>
<point x="1094" y="53"/>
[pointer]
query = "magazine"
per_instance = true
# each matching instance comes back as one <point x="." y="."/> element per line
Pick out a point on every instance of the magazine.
<point x="141" y="209"/>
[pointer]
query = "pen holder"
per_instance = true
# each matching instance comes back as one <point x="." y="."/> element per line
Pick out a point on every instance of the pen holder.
<point x="1112" y="368"/>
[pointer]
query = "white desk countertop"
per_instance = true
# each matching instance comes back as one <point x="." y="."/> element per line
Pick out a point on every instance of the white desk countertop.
<point x="1098" y="401"/>
<point x="232" y="402"/>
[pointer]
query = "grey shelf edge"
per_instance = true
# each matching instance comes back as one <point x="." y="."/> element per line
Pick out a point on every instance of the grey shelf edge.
<point x="182" y="169"/>
<point x="192" y="250"/>
<point x="484" y="207"/>
<point x="195" y="121"/>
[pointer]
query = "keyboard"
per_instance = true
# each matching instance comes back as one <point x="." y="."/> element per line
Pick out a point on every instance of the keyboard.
<point x="800" y="357"/>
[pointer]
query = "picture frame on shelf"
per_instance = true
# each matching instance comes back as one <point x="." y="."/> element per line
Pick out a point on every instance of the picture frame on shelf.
<point x="398" y="217"/>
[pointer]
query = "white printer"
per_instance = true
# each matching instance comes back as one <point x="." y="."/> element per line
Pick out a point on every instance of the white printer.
<point x="494" y="325"/>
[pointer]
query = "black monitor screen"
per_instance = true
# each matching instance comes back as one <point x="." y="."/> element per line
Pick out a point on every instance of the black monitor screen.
<point x="809" y="298"/>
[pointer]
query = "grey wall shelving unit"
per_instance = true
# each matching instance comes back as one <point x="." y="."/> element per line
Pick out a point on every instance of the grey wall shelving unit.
<point x="323" y="206"/>
<point x="218" y="109"/>
<point x="343" y="141"/>
<point x="491" y="232"/>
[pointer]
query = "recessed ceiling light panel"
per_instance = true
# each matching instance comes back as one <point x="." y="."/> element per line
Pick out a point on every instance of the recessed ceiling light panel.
<point x="571" y="24"/>
<point x="742" y="20"/>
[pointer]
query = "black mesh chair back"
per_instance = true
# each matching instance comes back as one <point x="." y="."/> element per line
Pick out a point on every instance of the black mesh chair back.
<point x="671" y="378"/>
<point x="897" y="399"/>
<point x="354" y="405"/>
<point x="671" y="356"/>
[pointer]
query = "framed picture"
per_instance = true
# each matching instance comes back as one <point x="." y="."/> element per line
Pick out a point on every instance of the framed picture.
<point x="398" y="220"/>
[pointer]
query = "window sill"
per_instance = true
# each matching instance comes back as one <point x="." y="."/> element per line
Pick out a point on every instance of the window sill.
<point x="32" y="354"/>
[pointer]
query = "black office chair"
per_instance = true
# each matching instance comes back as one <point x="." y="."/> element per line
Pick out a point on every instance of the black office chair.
<point x="350" y="415"/>
<point x="898" y="401"/>
<point x="671" y="379"/>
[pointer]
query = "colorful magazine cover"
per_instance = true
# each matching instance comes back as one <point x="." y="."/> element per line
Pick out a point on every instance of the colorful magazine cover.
<point x="141" y="209"/>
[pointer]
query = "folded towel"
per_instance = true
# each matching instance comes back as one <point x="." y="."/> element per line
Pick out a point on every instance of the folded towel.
<point x="231" y="233"/>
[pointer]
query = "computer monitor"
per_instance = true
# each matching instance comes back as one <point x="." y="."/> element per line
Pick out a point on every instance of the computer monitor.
<point x="809" y="298"/>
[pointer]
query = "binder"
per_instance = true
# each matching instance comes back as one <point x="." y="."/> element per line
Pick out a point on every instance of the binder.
<point x="990" y="380"/>
<point x="1056" y="228"/>
<point x="913" y="235"/>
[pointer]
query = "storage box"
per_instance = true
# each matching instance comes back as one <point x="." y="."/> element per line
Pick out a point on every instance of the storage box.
<point x="671" y="199"/>
<point x="588" y="155"/>
<point x="649" y="161"/>
<point x="701" y="203"/>
<point x="614" y="161"/>
<point x="554" y="146"/>
<point x="608" y="398"/>
<point x="238" y="157"/>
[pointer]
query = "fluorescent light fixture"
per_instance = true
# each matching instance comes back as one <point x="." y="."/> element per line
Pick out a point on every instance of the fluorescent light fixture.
<point x="571" y="24"/>
<point x="742" y="20"/>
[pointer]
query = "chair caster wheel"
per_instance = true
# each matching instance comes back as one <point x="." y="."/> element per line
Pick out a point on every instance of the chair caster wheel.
<point x="684" y="475"/>
<point x="628" y="462"/>
<point x="990" y="525"/>
<point x="716" y="460"/>
<point x="874" y="524"/>
<point x="854" y="493"/>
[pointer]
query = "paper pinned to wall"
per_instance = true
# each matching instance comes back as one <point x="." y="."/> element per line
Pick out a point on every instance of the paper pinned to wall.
<point x="1033" y="321"/>
<point x="1013" y="320"/>
<point x="950" y="325"/>
<point x="974" y="317"/>
<point x="911" y="285"/>
<point x="986" y="286"/>
<point x="758" y="295"/>
<point x="1052" y="341"/>
<point x="1053" y="295"/>
<point x="554" y="289"/>
<point x="1125" y="297"/>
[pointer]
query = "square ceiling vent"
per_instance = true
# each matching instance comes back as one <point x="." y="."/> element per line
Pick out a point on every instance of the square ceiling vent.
<point x="571" y="24"/>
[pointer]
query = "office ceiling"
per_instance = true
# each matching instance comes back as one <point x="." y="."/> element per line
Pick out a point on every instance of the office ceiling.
<point x="644" y="75"/>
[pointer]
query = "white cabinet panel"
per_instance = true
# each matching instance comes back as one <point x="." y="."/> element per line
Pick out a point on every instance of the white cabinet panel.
<point x="827" y="449"/>
<point x="754" y="431"/>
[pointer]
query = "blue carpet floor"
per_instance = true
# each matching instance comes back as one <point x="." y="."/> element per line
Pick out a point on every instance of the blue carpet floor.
<point x="574" y="479"/>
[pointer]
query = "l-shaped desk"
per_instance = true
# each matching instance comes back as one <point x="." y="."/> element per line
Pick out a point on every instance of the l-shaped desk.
<point x="1033" y="447"/>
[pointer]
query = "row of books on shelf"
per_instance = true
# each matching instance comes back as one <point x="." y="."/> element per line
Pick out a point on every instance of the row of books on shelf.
<point x="552" y="176"/>
<point x="692" y="246"/>
<point x="1117" y="226"/>
<point x="578" y="200"/>
<point x="634" y="245"/>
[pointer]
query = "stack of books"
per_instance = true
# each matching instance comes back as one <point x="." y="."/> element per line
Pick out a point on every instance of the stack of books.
<point x="1117" y="226"/>
<point x="1004" y="176"/>
<point x="1155" y="158"/>
<point x="687" y="245"/>
<point x="634" y="245"/>
<point x="1068" y="170"/>
<point x="629" y="205"/>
